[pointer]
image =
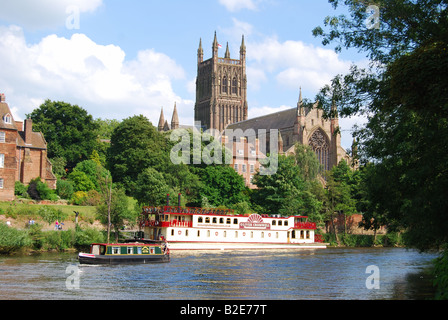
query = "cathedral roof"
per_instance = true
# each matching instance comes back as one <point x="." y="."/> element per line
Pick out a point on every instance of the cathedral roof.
<point x="279" y="120"/>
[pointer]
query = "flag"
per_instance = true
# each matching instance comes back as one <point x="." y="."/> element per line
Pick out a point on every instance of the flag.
<point x="219" y="46"/>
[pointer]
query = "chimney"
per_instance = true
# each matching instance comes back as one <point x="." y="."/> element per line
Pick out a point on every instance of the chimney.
<point x="28" y="130"/>
<point x="2" y="97"/>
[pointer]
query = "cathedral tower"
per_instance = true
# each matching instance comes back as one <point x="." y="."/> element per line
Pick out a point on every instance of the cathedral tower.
<point x="221" y="88"/>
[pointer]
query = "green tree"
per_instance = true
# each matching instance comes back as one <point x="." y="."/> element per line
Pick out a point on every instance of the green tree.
<point x="135" y="146"/>
<point x="68" y="129"/>
<point x="285" y="192"/>
<point x="151" y="188"/>
<point x="119" y="211"/>
<point x="222" y="186"/>
<point x="403" y="92"/>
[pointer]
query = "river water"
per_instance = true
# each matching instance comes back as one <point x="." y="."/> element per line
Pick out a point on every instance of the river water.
<point x="330" y="274"/>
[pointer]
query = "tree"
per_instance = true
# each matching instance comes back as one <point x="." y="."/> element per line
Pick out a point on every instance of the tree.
<point x="222" y="185"/>
<point x="150" y="188"/>
<point x="285" y="192"/>
<point x="404" y="94"/>
<point x="68" y="129"/>
<point x="116" y="212"/>
<point x="135" y="146"/>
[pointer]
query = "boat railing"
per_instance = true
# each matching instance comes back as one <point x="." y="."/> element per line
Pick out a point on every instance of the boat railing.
<point x="188" y="210"/>
<point x="305" y="225"/>
<point x="167" y="224"/>
<point x="318" y="238"/>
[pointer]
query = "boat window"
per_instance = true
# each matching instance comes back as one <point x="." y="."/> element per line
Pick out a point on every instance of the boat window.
<point x="130" y="250"/>
<point x="274" y="222"/>
<point x="235" y="221"/>
<point x="102" y="250"/>
<point x="301" y="234"/>
<point x="115" y="250"/>
<point x="208" y="233"/>
<point x="207" y="220"/>
<point x="214" y="220"/>
<point x="172" y="232"/>
<point x="221" y="220"/>
<point x="228" y="220"/>
<point x="139" y="250"/>
<point x="280" y="222"/>
<point x="293" y="234"/>
<point x="276" y="235"/>
<point x="308" y="234"/>
<point x="186" y="233"/>
<point x="199" y="233"/>
<point x="200" y="219"/>
<point x="285" y="223"/>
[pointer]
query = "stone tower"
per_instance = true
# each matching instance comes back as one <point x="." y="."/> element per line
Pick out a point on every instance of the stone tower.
<point x="221" y="88"/>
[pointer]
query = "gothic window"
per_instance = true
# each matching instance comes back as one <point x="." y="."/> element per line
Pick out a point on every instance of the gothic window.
<point x="224" y="84"/>
<point x="234" y="86"/>
<point x="319" y="143"/>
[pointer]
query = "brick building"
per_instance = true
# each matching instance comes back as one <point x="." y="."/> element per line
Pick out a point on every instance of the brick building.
<point x="23" y="153"/>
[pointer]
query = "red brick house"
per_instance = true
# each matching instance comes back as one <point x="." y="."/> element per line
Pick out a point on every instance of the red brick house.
<point x="23" y="153"/>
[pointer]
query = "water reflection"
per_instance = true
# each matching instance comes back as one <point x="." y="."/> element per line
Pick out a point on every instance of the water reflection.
<point x="273" y="275"/>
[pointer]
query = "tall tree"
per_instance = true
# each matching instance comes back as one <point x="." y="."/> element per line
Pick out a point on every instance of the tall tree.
<point x="68" y="129"/>
<point x="135" y="146"/>
<point x="404" y="94"/>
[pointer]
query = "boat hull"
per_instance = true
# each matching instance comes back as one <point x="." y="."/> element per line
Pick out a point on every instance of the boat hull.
<point x="115" y="260"/>
<point x="243" y="246"/>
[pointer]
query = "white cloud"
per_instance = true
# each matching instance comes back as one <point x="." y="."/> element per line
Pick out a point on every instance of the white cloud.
<point x="44" y="13"/>
<point x="237" y="5"/>
<point x="80" y="71"/>
<point x="294" y="63"/>
<point x="265" y="110"/>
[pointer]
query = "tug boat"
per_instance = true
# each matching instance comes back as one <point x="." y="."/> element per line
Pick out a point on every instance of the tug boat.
<point x="130" y="252"/>
<point x="185" y="228"/>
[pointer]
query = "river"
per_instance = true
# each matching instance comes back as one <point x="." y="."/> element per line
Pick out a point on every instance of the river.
<point x="330" y="274"/>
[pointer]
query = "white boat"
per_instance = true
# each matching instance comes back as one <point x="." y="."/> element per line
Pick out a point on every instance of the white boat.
<point x="220" y="229"/>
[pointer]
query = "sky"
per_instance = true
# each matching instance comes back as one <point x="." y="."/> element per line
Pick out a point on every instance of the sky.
<point x="117" y="59"/>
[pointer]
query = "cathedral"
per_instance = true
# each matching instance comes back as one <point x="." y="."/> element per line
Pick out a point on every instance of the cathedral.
<point x="221" y="104"/>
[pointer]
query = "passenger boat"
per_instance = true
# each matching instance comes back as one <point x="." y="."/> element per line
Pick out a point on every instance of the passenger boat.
<point x="129" y="252"/>
<point x="186" y="228"/>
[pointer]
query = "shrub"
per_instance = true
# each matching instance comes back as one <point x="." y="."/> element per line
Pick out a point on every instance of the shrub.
<point x="64" y="189"/>
<point x="21" y="190"/>
<point x="12" y="240"/>
<point x="39" y="190"/>
<point x="50" y="215"/>
<point x="79" y="198"/>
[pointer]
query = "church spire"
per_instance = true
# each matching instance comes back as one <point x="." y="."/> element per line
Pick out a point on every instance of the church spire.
<point x="161" y="121"/>
<point x="175" y="119"/>
<point x="215" y="46"/>
<point x="200" y="52"/>
<point x="300" y="111"/>
<point x="227" y="55"/>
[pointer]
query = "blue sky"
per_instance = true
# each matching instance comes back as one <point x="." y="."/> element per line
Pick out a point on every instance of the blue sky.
<point x="119" y="58"/>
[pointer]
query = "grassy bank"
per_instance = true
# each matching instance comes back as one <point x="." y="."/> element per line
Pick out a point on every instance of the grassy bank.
<point x="35" y="239"/>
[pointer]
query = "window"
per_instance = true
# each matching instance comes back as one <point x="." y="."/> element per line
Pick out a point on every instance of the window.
<point x="186" y="233"/>
<point x="208" y="233"/>
<point x="221" y="220"/>
<point x="244" y="168"/>
<point x="172" y="232"/>
<point x="2" y="182"/>
<point x="274" y="222"/>
<point x="2" y="137"/>
<point x="235" y="221"/>
<point x="308" y="234"/>
<point x="236" y="167"/>
<point x="241" y="152"/>
<point x="7" y="118"/>
<point x="214" y="220"/>
<point x="199" y="233"/>
<point x="200" y="220"/>
<point x="228" y="221"/>
<point x="224" y="84"/>
<point x="139" y="250"/>
<point x="225" y="234"/>
<point x="279" y="222"/>
<point x="252" y="168"/>
<point x="285" y="223"/>
<point x="207" y="220"/>
<point x="2" y="160"/>
<point x="130" y="250"/>
<point x="234" y="86"/>
<point x="115" y="250"/>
